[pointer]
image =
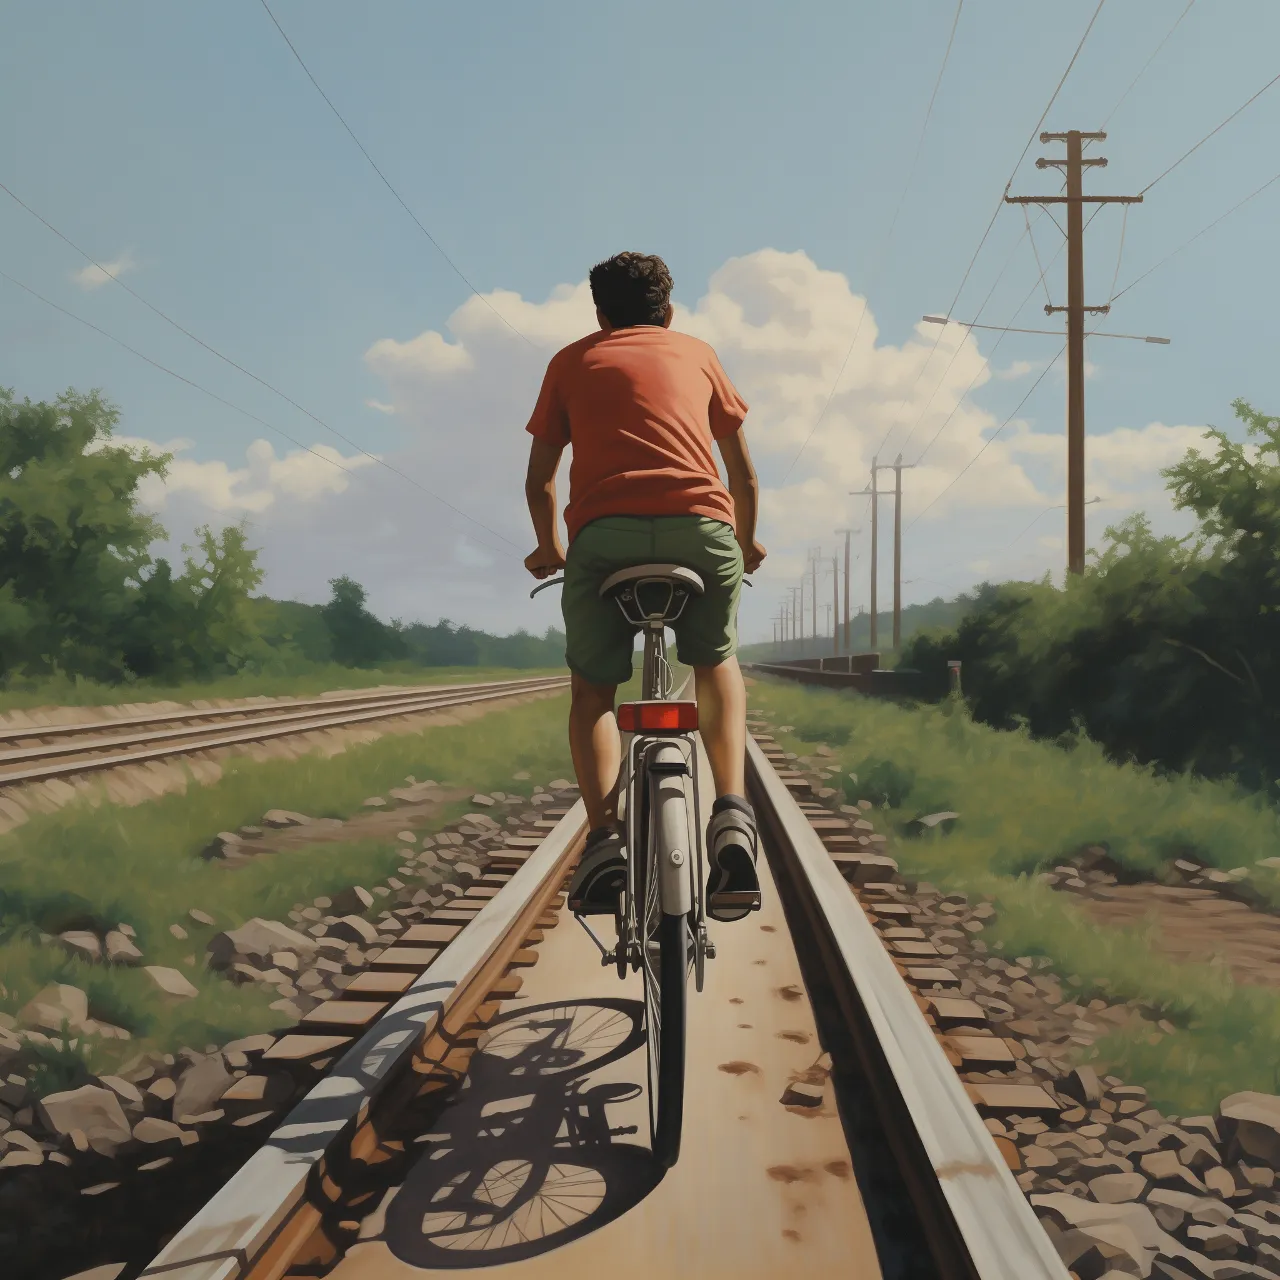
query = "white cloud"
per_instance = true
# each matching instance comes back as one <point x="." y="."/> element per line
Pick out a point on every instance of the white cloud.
<point x="461" y="396"/>
<point x="249" y="490"/>
<point x="94" y="277"/>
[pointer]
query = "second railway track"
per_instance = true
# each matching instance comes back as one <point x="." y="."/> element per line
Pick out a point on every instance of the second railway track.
<point x="482" y="1102"/>
<point x="58" y="751"/>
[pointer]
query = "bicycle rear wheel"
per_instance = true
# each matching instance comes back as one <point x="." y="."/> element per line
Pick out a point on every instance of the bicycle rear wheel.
<point x="666" y="978"/>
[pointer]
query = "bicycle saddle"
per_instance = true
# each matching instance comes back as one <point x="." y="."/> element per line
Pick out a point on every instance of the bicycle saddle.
<point x="676" y="574"/>
<point x="651" y="595"/>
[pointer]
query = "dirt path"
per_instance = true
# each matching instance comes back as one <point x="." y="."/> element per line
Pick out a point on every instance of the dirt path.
<point x="1195" y="925"/>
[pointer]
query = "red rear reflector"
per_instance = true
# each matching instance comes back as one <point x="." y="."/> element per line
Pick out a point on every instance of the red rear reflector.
<point x="658" y="717"/>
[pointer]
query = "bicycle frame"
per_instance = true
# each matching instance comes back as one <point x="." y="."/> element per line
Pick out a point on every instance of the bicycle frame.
<point x="655" y="761"/>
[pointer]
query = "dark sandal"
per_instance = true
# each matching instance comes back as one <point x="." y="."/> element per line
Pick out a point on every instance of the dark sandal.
<point x="601" y="875"/>
<point x="733" y="883"/>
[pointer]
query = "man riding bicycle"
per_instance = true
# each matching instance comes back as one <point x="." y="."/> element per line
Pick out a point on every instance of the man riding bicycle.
<point x="641" y="406"/>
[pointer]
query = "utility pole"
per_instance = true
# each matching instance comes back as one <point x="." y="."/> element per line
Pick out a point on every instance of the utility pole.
<point x="1074" y="164"/>
<point x="848" y="533"/>
<point x="813" y="594"/>
<point x="797" y="614"/>
<point x="898" y="469"/>
<point x="875" y="550"/>
<point x="835" y="607"/>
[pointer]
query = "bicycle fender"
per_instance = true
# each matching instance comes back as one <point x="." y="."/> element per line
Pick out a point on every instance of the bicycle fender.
<point x="674" y="849"/>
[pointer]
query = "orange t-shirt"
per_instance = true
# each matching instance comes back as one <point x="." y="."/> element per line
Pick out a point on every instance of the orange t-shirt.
<point x="641" y="407"/>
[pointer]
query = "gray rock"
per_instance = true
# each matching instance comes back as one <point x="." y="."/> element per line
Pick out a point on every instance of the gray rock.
<point x="1186" y="1266"/>
<point x="1130" y="1227"/>
<point x="151" y="1130"/>
<point x="1258" y="1230"/>
<point x="171" y="982"/>
<point x="354" y="901"/>
<point x="943" y="821"/>
<point x="54" y="1006"/>
<point x="200" y="917"/>
<point x="1201" y="1124"/>
<point x="95" y="1111"/>
<point x="224" y="845"/>
<point x="200" y="1086"/>
<point x="1215" y="1241"/>
<point x="285" y="818"/>
<point x="127" y="1092"/>
<point x="1250" y="1126"/>
<point x="121" y="949"/>
<point x="353" y="929"/>
<point x="82" y="943"/>
<point x="251" y="1044"/>
<point x="1117" y="1188"/>
<point x="256" y="938"/>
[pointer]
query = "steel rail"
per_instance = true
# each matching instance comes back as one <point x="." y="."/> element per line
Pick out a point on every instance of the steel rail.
<point x="252" y="731"/>
<point x="238" y="717"/>
<point x="16" y="732"/>
<point x="260" y="1218"/>
<point x="968" y="1210"/>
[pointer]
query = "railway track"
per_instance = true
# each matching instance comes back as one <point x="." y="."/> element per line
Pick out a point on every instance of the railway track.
<point x="478" y="1099"/>
<point x="42" y="752"/>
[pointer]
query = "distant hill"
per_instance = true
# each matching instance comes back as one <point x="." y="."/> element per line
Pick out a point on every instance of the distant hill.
<point x="937" y="614"/>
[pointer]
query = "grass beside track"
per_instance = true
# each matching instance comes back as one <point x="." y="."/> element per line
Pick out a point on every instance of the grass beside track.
<point x="85" y="866"/>
<point x="24" y="695"/>
<point x="1024" y="806"/>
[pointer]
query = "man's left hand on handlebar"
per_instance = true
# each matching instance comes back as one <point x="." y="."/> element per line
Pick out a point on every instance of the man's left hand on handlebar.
<point x="544" y="561"/>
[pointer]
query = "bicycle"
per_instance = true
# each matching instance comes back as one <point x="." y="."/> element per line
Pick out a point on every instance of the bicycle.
<point x="660" y="922"/>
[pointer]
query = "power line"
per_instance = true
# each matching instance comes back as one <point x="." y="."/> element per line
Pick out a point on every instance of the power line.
<point x="1027" y="219"/>
<point x="996" y="345"/>
<point x="155" y="364"/>
<point x="1203" y="230"/>
<point x="235" y="407"/>
<point x="1145" y="65"/>
<point x="386" y="182"/>
<point x="1187" y="154"/>
<point x="999" y="205"/>
<point x="248" y="373"/>
<point x="987" y="443"/>
<point x="955" y="352"/>
<point x="1124" y="223"/>
<point x="880" y="257"/>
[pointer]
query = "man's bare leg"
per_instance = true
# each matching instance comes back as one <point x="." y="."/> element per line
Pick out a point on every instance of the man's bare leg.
<point x="722" y="719"/>
<point x="596" y="748"/>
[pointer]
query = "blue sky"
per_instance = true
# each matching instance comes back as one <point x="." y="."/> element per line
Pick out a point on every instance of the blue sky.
<point x="532" y="141"/>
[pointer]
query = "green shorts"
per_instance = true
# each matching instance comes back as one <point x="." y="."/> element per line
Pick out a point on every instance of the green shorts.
<point x="599" y="640"/>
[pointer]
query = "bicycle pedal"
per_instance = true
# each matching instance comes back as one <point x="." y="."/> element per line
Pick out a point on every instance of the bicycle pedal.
<point x="749" y="898"/>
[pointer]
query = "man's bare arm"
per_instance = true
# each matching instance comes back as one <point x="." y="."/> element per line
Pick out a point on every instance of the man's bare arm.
<point x="540" y="493"/>
<point x="745" y="491"/>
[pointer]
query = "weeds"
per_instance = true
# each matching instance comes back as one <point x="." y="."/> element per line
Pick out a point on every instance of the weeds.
<point x="1026" y="805"/>
<point x="98" y="866"/>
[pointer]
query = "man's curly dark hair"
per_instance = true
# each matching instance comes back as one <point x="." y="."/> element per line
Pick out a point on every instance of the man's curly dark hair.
<point x="631" y="289"/>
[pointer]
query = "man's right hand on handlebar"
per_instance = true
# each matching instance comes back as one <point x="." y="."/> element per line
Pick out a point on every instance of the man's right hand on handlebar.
<point x="545" y="561"/>
<point x="752" y="554"/>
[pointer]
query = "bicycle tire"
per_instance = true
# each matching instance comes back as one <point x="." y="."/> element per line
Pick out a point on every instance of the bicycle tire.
<point x="667" y="1047"/>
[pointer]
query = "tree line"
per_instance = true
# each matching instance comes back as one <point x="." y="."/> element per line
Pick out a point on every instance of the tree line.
<point x="81" y="593"/>
<point x="1166" y="650"/>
